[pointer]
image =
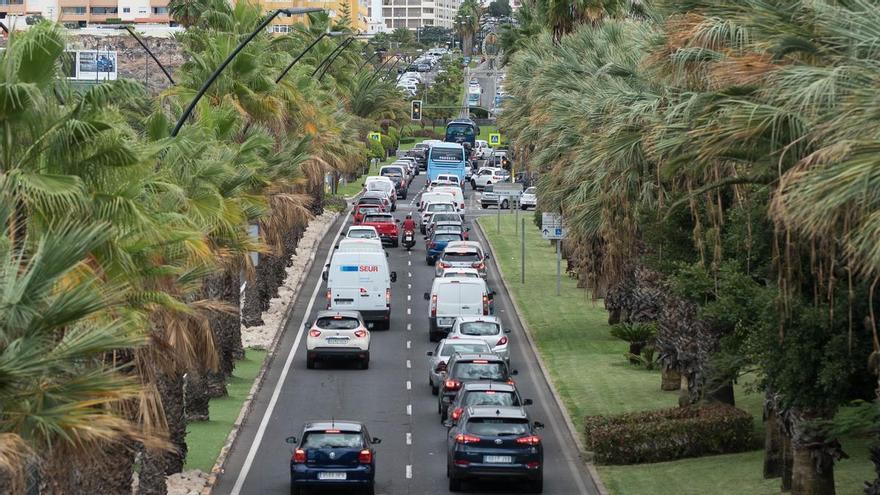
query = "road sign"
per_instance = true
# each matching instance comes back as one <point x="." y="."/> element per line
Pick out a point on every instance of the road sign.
<point x="551" y="226"/>
<point x="494" y="139"/>
<point x="376" y="136"/>
<point x="416" y="110"/>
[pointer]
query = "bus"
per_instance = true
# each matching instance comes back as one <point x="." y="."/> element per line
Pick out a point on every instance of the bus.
<point x="463" y="132"/>
<point x="446" y="158"/>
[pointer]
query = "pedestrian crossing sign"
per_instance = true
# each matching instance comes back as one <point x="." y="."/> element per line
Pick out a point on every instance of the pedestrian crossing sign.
<point x="375" y="136"/>
<point x="494" y="139"/>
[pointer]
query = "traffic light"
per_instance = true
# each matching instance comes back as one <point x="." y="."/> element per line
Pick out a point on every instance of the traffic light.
<point x="416" y="113"/>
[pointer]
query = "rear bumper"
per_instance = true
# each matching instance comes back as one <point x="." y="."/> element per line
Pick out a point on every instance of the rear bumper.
<point x="338" y="353"/>
<point x="388" y="238"/>
<point x="474" y="471"/>
<point x="376" y="315"/>
<point x="360" y="476"/>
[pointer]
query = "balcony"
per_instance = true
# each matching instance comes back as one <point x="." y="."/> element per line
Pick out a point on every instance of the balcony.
<point x="158" y="3"/>
<point x="15" y="7"/>
<point x="73" y="3"/>
<point x="104" y="3"/>
<point x="73" y="17"/>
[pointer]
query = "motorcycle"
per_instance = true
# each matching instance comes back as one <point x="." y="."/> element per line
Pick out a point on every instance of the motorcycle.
<point x="409" y="239"/>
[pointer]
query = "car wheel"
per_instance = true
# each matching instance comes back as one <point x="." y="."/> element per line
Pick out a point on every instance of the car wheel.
<point x="483" y="206"/>
<point x="444" y="413"/>
<point x="454" y="484"/>
<point x="365" y="363"/>
<point x="523" y="207"/>
<point x="536" y="486"/>
<point x="434" y="389"/>
<point x="310" y="362"/>
<point x="295" y="490"/>
<point x="396" y="244"/>
<point x="504" y="205"/>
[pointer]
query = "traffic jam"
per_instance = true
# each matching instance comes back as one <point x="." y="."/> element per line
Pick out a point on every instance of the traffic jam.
<point x="490" y="433"/>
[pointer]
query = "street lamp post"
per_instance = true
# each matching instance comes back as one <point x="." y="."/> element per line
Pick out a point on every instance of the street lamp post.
<point x="4" y="28"/>
<point x="325" y="64"/>
<point x="239" y="48"/>
<point x="140" y="41"/>
<point x="298" y="57"/>
<point x="371" y="57"/>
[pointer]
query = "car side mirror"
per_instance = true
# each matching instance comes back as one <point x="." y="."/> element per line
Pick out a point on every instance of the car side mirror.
<point x="485" y="257"/>
<point x="527" y="402"/>
<point x="394" y="276"/>
<point x="290" y="440"/>
<point x="448" y="423"/>
<point x="467" y="229"/>
<point x="427" y="296"/>
<point x="324" y="275"/>
<point x="396" y="220"/>
<point x="336" y="246"/>
<point x="538" y="425"/>
<point x="506" y="330"/>
<point x="386" y="254"/>
<point x="377" y="440"/>
<point x="514" y="372"/>
<point x="429" y="353"/>
<point x="327" y="265"/>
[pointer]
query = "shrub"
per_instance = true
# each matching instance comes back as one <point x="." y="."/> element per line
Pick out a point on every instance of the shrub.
<point x="425" y="133"/>
<point x="668" y="434"/>
<point x="634" y="332"/>
<point x="407" y="140"/>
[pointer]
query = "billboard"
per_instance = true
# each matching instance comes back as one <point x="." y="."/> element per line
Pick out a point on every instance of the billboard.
<point x="90" y="65"/>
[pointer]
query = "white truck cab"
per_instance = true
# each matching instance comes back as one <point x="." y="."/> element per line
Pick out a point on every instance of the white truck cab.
<point x="453" y="297"/>
<point x="361" y="281"/>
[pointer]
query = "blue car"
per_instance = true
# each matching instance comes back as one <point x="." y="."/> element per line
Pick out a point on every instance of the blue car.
<point x="495" y="442"/>
<point x="437" y="243"/>
<point x="336" y="454"/>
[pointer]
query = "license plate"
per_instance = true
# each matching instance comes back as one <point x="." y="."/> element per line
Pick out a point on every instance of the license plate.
<point x="337" y="340"/>
<point x="445" y="321"/>
<point x="497" y="459"/>
<point x="343" y="301"/>
<point x="331" y="476"/>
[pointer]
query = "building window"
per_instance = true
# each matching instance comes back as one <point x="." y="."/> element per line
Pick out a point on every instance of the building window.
<point x="386" y="12"/>
<point x="279" y="28"/>
<point x="160" y="10"/>
<point x="428" y="11"/>
<point x="142" y="11"/>
<point x="104" y="10"/>
<point x="73" y="10"/>
<point x="126" y="10"/>
<point x="11" y="2"/>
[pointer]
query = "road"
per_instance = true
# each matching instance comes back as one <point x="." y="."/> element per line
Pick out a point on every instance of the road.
<point x="486" y="78"/>
<point x="392" y="397"/>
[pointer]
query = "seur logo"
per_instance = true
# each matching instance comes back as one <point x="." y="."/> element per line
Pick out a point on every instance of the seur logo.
<point x="369" y="268"/>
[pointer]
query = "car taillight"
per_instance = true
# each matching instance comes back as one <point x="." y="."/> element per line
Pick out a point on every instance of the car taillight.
<point x="314" y="333"/>
<point x="441" y="366"/>
<point x="485" y="305"/>
<point x="299" y="456"/>
<point x="431" y="245"/>
<point x="329" y="297"/>
<point x="434" y="305"/>
<point x="464" y="438"/>
<point x="502" y="341"/>
<point x="533" y="465"/>
<point x="365" y="457"/>
<point x="456" y="413"/>
<point x="443" y="264"/>
<point x="360" y="333"/>
<point x="452" y="385"/>
<point x="388" y="297"/>
<point x="530" y="440"/>
<point x="478" y="265"/>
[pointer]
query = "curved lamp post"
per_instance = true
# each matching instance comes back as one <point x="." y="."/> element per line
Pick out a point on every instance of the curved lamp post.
<point x="140" y="41"/>
<point x="331" y="57"/>
<point x="207" y="84"/>
<point x="371" y="57"/>
<point x="345" y="45"/>
<point x="298" y="57"/>
<point x="4" y="28"/>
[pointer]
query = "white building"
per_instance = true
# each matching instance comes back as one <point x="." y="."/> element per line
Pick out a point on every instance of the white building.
<point x="413" y="14"/>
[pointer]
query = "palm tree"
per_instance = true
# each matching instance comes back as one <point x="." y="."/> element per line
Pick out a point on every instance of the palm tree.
<point x="467" y="23"/>
<point x="187" y="12"/>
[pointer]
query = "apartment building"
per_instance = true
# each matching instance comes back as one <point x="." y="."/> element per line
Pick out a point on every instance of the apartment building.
<point x="81" y="13"/>
<point x="413" y="14"/>
<point x="358" y="10"/>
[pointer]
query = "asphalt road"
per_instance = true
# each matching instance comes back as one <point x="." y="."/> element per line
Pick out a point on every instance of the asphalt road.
<point x="392" y="397"/>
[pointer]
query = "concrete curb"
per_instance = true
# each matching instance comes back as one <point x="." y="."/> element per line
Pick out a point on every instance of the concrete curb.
<point x="591" y="468"/>
<point x="247" y="405"/>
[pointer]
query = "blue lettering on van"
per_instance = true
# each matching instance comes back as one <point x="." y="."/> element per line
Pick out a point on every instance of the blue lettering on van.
<point x="348" y="268"/>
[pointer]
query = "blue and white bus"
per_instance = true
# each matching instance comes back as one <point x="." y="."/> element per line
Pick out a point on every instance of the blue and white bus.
<point x="446" y="158"/>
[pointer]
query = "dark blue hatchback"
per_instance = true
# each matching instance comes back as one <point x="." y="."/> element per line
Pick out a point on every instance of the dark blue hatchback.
<point x="333" y="454"/>
<point x="437" y="243"/>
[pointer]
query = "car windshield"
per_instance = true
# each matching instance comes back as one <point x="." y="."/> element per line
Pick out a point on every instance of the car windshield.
<point x="475" y="347"/>
<point x="476" y="370"/>
<point x="337" y="323"/>
<point x="371" y="200"/>
<point x="490" y="398"/>
<point x="446" y="217"/>
<point x="446" y="237"/>
<point x="479" y="328"/>
<point x="361" y="234"/>
<point x="434" y="207"/>
<point x="368" y="209"/>
<point x="447" y="154"/>
<point x="392" y="171"/>
<point x="341" y="440"/>
<point x="531" y="190"/>
<point x="451" y="273"/>
<point x="379" y="219"/>
<point x="456" y="130"/>
<point x="497" y="427"/>
<point x="457" y="257"/>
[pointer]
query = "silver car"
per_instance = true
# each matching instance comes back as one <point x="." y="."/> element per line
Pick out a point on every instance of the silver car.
<point x="486" y="328"/>
<point x="438" y="358"/>
<point x="460" y="257"/>
<point x="529" y="198"/>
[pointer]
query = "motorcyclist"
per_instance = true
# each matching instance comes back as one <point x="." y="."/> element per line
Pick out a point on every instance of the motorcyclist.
<point x="409" y="225"/>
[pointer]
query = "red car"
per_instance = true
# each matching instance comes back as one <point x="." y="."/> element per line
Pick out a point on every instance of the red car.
<point x="360" y="211"/>
<point x="386" y="226"/>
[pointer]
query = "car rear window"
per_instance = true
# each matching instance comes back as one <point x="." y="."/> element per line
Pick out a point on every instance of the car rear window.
<point x="341" y="440"/>
<point x="337" y="323"/>
<point x="479" y="370"/>
<point x="497" y="427"/>
<point x="450" y="274"/>
<point x="450" y="349"/>
<point x="490" y="398"/>
<point x="361" y="234"/>
<point x="379" y="219"/>
<point x="446" y="237"/>
<point x="445" y="217"/>
<point x="461" y="257"/>
<point x="392" y="171"/>
<point x="440" y="207"/>
<point x="479" y="328"/>
<point x="371" y="200"/>
<point x="369" y="209"/>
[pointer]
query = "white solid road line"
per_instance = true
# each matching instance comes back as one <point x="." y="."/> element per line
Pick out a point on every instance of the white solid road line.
<point x="252" y="453"/>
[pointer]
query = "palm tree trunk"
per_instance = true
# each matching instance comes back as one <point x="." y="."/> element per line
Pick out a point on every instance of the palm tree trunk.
<point x="157" y="465"/>
<point x="787" y="463"/>
<point x="670" y="379"/>
<point x="196" y="396"/>
<point x="109" y="472"/>
<point x="806" y="478"/>
<point x="773" y="458"/>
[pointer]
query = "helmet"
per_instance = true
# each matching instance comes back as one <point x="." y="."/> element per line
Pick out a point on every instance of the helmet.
<point x="409" y="215"/>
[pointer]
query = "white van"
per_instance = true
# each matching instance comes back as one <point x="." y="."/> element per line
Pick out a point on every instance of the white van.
<point x="454" y="191"/>
<point x="361" y="281"/>
<point x="453" y="297"/>
<point x="435" y="197"/>
<point x="362" y="245"/>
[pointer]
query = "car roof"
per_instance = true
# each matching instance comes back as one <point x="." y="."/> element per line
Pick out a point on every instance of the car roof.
<point x="463" y="341"/>
<point x="373" y="194"/>
<point x="479" y="386"/>
<point x="459" y="249"/>
<point x="492" y="318"/>
<point x="465" y="244"/>
<point x="331" y="313"/>
<point x="511" y="412"/>
<point x="447" y="223"/>
<point x="333" y="425"/>
<point x="472" y="356"/>
<point x="362" y="227"/>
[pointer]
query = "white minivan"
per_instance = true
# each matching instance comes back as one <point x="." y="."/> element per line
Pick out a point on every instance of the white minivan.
<point x="361" y="281"/>
<point x="453" y="297"/>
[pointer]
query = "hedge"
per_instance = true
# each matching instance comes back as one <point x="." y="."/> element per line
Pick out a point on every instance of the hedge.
<point x="669" y="434"/>
<point x="425" y="133"/>
<point x="407" y="140"/>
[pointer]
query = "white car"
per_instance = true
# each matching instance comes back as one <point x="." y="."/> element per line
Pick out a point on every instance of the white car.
<point x="481" y="149"/>
<point x="461" y="273"/>
<point x="361" y="232"/>
<point x="487" y="176"/>
<point x="432" y="208"/>
<point x="438" y="358"/>
<point x="486" y="328"/>
<point x="461" y="257"/>
<point x="338" y="334"/>
<point x="529" y="198"/>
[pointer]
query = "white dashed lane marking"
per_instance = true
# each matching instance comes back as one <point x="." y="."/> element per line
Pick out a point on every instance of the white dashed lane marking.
<point x="409" y="326"/>
<point x="408" y="438"/>
<point x="409" y="409"/>
<point x="408" y="364"/>
<point x="409" y="344"/>
<point x="409" y="471"/>
<point x="408" y="385"/>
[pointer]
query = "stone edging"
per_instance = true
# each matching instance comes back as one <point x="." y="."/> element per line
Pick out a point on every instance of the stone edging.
<point x="591" y="468"/>
<point x="258" y="381"/>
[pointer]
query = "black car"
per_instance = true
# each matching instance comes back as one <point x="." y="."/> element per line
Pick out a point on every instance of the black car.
<point x="484" y="394"/>
<point x="495" y="443"/>
<point x="399" y="185"/>
<point x="333" y="454"/>
<point x="463" y="368"/>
